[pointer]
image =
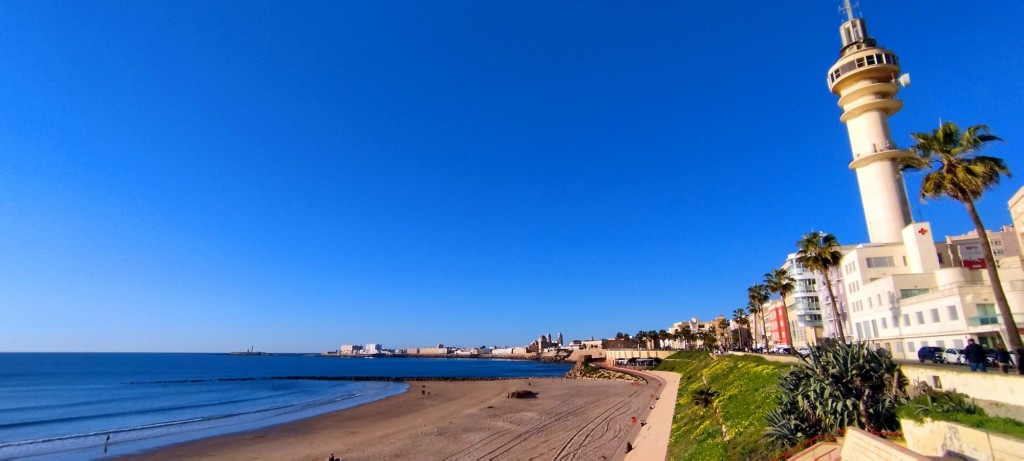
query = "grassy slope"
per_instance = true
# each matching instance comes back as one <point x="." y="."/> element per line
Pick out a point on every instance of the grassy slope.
<point x="746" y="387"/>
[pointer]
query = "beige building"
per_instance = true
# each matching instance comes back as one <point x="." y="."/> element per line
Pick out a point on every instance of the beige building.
<point x="965" y="250"/>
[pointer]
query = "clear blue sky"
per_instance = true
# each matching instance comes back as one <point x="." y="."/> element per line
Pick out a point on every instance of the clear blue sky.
<point x="207" y="176"/>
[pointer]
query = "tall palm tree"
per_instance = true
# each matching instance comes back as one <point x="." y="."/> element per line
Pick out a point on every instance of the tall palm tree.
<point x="708" y="338"/>
<point x="819" y="252"/>
<point x="687" y="336"/>
<point x="723" y="331"/>
<point x="742" y="320"/>
<point x="779" y="281"/>
<point x="757" y="295"/>
<point x="958" y="172"/>
<point x="664" y="336"/>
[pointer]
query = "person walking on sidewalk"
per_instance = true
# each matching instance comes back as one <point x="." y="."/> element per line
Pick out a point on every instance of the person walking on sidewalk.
<point x="975" y="356"/>
<point x="1003" y="358"/>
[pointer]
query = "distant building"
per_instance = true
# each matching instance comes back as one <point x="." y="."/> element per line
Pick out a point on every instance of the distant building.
<point x="372" y="349"/>
<point x="775" y="324"/>
<point x="804" y="303"/>
<point x="349" y="349"/>
<point x="509" y="351"/>
<point x="966" y="251"/>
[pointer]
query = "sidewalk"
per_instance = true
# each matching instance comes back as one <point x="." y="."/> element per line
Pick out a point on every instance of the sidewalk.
<point x="652" y="441"/>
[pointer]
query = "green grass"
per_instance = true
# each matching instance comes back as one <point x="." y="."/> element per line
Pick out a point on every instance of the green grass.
<point x="746" y="387"/>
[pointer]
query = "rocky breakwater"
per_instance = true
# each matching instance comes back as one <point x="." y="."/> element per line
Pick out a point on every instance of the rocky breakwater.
<point x="587" y="371"/>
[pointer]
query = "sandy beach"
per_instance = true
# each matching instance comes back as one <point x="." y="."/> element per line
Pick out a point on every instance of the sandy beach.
<point x="567" y="419"/>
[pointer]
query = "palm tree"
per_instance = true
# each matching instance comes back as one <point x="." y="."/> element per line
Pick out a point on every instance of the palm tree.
<point x="723" y="327"/>
<point x="779" y="281"/>
<point x="708" y="338"/>
<point x="757" y="295"/>
<point x="958" y="172"/>
<point x="742" y="320"/>
<point x="819" y="252"/>
<point x="664" y="336"/>
<point x="687" y="336"/>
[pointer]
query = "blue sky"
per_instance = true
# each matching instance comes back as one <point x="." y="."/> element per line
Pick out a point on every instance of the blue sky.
<point x="207" y="176"/>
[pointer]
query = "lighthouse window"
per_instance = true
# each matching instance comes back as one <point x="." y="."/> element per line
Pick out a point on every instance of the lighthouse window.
<point x="860" y="62"/>
<point x="870" y="60"/>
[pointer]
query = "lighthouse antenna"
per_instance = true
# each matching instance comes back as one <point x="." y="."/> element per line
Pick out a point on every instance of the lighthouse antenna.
<point x="848" y="9"/>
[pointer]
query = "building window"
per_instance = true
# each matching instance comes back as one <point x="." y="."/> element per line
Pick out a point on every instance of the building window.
<point x="987" y="314"/>
<point x="911" y="292"/>
<point x="879" y="299"/>
<point x="999" y="252"/>
<point x="995" y="242"/>
<point x="881" y="261"/>
<point x="874" y="329"/>
<point x="906" y="320"/>
<point x="958" y="343"/>
<point x="941" y="344"/>
<point x="884" y="325"/>
<point x="910" y="346"/>
<point x="870" y="304"/>
<point x="899" y="347"/>
<point x="935" y="316"/>
<point x="860" y="330"/>
<point x="920" y="317"/>
<point x="952" y="313"/>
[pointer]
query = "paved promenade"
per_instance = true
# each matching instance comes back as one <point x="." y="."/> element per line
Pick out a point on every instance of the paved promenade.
<point x="652" y="441"/>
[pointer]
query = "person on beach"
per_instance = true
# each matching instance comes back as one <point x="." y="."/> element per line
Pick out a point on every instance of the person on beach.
<point x="975" y="356"/>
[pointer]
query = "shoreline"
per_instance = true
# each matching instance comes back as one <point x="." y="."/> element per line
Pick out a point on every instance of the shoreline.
<point x="462" y="419"/>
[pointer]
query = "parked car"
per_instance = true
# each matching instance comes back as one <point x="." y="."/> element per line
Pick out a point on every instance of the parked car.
<point x="804" y="351"/>
<point x="782" y="350"/>
<point x="932" y="353"/>
<point x="990" y="357"/>
<point x="954" y="356"/>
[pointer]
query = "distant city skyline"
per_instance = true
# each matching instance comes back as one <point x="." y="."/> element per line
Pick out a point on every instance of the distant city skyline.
<point x="195" y="177"/>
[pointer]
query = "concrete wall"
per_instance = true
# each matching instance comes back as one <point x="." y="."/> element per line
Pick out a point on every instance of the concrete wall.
<point x="996" y="386"/>
<point x="941" y="438"/>
<point x="612" y="354"/>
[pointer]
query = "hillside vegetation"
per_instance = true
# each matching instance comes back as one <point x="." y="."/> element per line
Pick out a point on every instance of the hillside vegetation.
<point x="731" y="391"/>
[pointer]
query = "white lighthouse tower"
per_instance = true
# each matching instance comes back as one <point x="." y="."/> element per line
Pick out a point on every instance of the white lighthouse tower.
<point x="865" y="79"/>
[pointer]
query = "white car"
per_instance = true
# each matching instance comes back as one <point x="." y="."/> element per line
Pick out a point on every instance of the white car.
<point x="954" y="356"/>
<point x="804" y="351"/>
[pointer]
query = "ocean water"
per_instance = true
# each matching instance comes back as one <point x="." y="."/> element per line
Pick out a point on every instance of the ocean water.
<point x="64" y="406"/>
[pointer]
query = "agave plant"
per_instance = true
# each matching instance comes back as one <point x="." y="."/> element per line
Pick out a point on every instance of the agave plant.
<point x="836" y="387"/>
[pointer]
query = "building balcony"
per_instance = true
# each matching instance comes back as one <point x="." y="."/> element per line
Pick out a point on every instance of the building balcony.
<point x="803" y="308"/>
<point x="979" y="321"/>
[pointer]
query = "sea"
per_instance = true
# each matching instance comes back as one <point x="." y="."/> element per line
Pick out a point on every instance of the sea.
<point x="76" y="406"/>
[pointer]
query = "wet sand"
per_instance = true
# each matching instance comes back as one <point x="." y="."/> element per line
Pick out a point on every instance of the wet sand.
<point x="567" y="419"/>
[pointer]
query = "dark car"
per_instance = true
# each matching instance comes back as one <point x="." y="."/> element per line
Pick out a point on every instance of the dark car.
<point x="932" y="353"/>
<point x="990" y="357"/>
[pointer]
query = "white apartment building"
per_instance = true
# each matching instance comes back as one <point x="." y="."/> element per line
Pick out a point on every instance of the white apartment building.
<point x="350" y="349"/>
<point x="804" y="304"/>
